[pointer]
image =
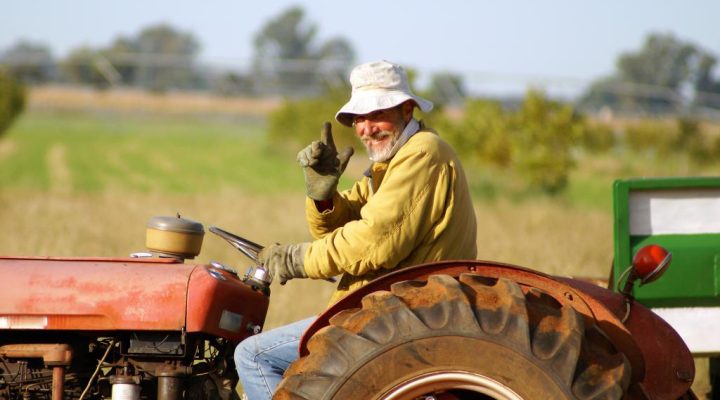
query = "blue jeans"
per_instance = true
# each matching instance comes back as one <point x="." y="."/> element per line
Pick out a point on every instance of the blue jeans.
<point x="262" y="359"/>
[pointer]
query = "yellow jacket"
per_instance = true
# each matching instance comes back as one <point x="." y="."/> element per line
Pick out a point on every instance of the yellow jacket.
<point x="413" y="209"/>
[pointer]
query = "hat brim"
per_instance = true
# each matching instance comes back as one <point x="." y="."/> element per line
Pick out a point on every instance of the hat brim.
<point x="372" y="100"/>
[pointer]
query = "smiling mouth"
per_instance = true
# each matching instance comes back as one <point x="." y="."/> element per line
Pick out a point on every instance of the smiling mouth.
<point x="376" y="139"/>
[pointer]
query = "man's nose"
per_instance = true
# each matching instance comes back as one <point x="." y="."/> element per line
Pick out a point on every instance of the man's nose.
<point x="364" y="128"/>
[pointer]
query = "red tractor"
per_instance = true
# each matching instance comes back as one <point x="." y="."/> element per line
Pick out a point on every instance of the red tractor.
<point x="153" y="326"/>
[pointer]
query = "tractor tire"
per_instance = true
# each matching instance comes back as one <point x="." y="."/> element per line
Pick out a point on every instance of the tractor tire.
<point x="472" y="338"/>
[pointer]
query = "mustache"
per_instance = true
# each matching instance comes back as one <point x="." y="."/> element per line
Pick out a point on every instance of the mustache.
<point x="377" y="136"/>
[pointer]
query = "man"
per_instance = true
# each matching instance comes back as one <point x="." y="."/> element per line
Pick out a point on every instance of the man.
<point x="412" y="206"/>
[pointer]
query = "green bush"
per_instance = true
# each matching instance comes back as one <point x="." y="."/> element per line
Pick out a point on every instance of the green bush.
<point x="484" y="131"/>
<point x="543" y="133"/>
<point x="651" y="137"/>
<point x="298" y="121"/>
<point x="693" y="141"/>
<point x="681" y="138"/>
<point x="536" y="141"/>
<point x="597" y="137"/>
<point x="12" y="99"/>
<point x="715" y="147"/>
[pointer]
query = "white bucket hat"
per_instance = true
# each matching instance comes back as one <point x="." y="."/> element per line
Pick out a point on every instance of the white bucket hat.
<point x="378" y="85"/>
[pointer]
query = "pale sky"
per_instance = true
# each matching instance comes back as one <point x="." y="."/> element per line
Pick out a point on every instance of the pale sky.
<point x="558" y="42"/>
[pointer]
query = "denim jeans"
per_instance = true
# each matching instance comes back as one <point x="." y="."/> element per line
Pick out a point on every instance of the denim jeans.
<point x="262" y="359"/>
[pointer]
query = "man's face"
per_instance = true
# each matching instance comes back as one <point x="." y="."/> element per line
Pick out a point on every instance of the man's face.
<point x="380" y="130"/>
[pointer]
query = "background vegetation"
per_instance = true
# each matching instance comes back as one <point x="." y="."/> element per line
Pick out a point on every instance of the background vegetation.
<point x="667" y="75"/>
<point x="12" y="99"/>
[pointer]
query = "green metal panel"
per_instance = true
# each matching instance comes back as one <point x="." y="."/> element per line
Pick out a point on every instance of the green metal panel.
<point x="693" y="278"/>
<point x="621" y="228"/>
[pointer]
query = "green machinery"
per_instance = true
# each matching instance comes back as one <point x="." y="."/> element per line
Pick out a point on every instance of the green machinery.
<point x="682" y="215"/>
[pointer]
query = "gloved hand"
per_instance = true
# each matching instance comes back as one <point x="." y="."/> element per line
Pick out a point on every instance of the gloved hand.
<point x="284" y="261"/>
<point x="322" y="165"/>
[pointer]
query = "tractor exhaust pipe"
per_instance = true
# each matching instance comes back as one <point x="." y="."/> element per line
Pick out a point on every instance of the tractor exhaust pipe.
<point x="170" y="385"/>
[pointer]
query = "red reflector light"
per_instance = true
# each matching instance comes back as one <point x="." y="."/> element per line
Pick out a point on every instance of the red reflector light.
<point x="650" y="262"/>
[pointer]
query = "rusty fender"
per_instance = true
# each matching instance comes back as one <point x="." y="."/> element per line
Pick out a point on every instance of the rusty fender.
<point x="662" y="366"/>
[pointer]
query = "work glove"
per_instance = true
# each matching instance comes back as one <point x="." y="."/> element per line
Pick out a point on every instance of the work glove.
<point x="322" y="165"/>
<point x="284" y="261"/>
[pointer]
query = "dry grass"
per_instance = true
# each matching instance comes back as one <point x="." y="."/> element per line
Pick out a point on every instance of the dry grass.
<point x="546" y="236"/>
<point x="61" y="98"/>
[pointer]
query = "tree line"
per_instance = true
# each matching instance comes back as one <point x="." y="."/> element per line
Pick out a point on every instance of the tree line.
<point x="666" y="75"/>
<point x="289" y="58"/>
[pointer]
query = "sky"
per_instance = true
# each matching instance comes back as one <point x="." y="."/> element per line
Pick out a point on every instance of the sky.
<point x="557" y="43"/>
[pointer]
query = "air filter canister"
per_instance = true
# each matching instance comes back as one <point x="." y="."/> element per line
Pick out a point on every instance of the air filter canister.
<point x="174" y="236"/>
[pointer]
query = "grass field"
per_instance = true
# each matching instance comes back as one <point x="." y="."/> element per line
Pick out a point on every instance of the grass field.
<point x="86" y="154"/>
<point x="81" y="180"/>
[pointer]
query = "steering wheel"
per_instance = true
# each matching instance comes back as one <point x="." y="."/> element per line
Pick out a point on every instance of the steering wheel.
<point x="250" y="249"/>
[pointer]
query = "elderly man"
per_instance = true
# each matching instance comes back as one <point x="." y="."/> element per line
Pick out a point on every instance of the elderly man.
<point x="412" y="206"/>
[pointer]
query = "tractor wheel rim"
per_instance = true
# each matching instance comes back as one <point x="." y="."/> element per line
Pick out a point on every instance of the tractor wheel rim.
<point x="442" y="381"/>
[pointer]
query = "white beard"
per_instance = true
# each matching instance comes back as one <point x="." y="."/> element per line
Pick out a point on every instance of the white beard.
<point x="387" y="151"/>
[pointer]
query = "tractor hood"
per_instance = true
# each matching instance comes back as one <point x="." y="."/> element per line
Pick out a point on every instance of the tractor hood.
<point x="93" y="293"/>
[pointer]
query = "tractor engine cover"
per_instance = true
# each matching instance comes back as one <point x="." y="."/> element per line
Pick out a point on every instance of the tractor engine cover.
<point x="130" y="294"/>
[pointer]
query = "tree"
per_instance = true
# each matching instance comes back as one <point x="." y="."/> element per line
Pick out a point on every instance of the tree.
<point x="283" y="50"/>
<point x="446" y="88"/>
<point x="287" y="57"/>
<point x="159" y="58"/>
<point x="655" y="78"/>
<point x="123" y="54"/>
<point x="165" y="57"/>
<point x="81" y="66"/>
<point x="543" y="135"/>
<point x="481" y="133"/>
<point x="707" y="87"/>
<point x="663" y="61"/>
<point x="604" y="92"/>
<point x="28" y="61"/>
<point x="616" y="94"/>
<point x="12" y="99"/>
<point x="232" y="84"/>
<point x="704" y="80"/>
<point x="337" y="56"/>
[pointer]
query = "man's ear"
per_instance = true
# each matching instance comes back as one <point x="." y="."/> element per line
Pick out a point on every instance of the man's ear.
<point x="407" y="110"/>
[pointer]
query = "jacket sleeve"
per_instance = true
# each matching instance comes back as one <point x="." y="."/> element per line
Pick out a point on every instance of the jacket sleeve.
<point x="346" y="208"/>
<point x="392" y="222"/>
